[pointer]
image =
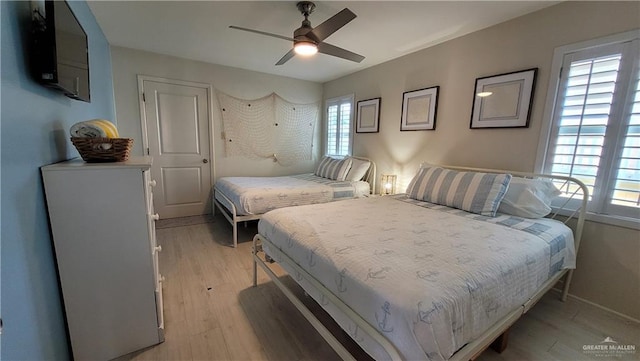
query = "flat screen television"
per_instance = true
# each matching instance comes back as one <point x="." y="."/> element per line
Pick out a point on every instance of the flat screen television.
<point x="60" y="54"/>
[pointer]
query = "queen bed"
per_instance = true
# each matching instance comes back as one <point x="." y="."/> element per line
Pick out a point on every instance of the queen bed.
<point x="243" y="199"/>
<point x="412" y="279"/>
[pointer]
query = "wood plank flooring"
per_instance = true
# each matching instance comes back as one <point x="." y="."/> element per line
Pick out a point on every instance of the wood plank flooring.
<point x="212" y="312"/>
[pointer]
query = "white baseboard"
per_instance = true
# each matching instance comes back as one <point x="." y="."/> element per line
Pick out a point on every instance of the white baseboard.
<point x="580" y="299"/>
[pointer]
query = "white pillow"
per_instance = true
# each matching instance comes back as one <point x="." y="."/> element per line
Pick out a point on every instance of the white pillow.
<point x="332" y="168"/>
<point x="528" y="198"/>
<point x="358" y="169"/>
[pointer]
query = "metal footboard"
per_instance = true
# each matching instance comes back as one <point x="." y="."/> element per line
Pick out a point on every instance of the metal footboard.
<point x="230" y="214"/>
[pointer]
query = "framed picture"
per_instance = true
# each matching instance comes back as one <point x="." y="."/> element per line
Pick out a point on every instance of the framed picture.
<point x="368" y="119"/>
<point x="419" y="109"/>
<point x="503" y="101"/>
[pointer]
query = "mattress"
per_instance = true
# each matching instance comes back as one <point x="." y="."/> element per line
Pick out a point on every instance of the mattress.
<point x="427" y="277"/>
<point x="258" y="195"/>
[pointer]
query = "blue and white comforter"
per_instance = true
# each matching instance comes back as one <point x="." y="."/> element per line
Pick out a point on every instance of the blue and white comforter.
<point x="430" y="278"/>
<point x="258" y="195"/>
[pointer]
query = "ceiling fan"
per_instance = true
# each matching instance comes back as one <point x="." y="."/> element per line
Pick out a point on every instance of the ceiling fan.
<point x="308" y="41"/>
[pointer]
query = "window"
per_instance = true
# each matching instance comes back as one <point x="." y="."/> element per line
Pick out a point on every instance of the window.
<point x="595" y="124"/>
<point x="339" y="126"/>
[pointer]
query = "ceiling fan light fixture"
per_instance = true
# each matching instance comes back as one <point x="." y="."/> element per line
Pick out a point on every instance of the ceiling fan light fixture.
<point x="305" y="48"/>
<point x="307" y="40"/>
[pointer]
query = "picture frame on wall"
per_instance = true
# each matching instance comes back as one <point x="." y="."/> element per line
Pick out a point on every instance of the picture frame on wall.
<point x="368" y="118"/>
<point x="419" y="109"/>
<point x="504" y="100"/>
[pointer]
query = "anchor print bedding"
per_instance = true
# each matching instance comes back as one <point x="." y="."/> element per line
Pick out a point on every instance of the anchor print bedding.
<point x="428" y="277"/>
<point x="258" y="195"/>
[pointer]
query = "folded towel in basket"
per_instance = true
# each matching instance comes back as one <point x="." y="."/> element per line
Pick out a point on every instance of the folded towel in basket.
<point x="96" y="128"/>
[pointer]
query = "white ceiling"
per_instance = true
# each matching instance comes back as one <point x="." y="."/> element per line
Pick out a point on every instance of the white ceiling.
<point x="383" y="30"/>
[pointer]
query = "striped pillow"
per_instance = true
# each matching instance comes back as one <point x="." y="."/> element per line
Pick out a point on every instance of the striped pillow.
<point x="473" y="192"/>
<point x="335" y="169"/>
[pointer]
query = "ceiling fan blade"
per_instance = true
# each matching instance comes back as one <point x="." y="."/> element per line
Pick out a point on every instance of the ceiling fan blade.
<point x="261" y="33"/>
<point x="331" y="25"/>
<point x="286" y="57"/>
<point x="339" y="52"/>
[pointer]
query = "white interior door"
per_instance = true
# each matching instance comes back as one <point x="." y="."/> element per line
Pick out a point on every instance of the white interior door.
<point x="178" y="138"/>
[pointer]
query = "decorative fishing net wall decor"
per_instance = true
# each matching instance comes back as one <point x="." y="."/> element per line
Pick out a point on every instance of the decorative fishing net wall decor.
<point x="269" y="127"/>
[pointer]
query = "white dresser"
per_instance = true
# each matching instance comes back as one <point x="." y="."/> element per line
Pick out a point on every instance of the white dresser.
<point x="102" y="222"/>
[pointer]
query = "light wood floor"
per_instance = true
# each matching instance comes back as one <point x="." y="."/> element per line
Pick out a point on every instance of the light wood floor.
<point x="213" y="313"/>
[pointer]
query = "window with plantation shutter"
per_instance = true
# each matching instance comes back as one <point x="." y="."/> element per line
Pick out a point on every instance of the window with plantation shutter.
<point x="339" y="124"/>
<point x="595" y="126"/>
<point x="626" y="189"/>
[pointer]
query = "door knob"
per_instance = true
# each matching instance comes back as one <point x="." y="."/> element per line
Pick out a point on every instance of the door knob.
<point x="205" y="161"/>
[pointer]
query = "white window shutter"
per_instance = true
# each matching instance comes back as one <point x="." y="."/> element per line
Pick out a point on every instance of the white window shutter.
<point x="595" y="134"/>
<point x="625" y="197"/>
<point x="332" y="128"/>
<point x="339" y="124"/>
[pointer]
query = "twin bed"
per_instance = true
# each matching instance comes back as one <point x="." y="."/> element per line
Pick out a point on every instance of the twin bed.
<point x="242" y="199"/>
<point x="435" y="274"/>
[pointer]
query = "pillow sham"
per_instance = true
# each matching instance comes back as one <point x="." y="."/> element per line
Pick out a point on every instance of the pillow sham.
<point x="473" y="192"/>
<point x="358" y="169"/>
<point x="529" y="198"/>
<point x="332" y="168"/>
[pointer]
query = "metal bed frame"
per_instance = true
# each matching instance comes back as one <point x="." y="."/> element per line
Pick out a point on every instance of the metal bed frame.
<point x="474" y="348"/>
<point x="229" y="211"/>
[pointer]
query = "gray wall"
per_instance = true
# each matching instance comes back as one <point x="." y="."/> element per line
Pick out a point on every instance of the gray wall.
<point x="35" y="124"/>
<point x="245" y="84"/>
<point x="608" y="265"/>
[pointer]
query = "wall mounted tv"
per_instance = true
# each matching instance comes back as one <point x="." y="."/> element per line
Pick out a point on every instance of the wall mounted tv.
<point x="60" y="56"/>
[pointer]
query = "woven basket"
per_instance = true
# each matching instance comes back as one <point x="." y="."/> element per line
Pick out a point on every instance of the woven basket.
<point x="103" y="149"/>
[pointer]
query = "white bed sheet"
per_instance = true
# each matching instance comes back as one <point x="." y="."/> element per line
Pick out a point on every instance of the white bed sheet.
<point x="258" y="195"/>
<point x="430" y="278"/>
